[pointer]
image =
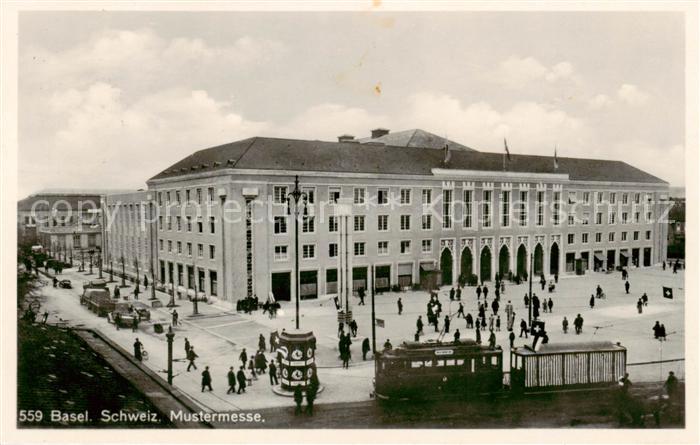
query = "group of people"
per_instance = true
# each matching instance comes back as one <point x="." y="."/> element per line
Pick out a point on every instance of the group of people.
<point x="659" y="331"/>
<point x="344" y="342"/>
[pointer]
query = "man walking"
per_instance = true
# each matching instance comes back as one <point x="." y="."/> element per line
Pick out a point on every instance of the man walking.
<point x="627" y="287"/>
<point x="311" y="392"/>
<point x="243" y="357"/>
<point x="460" y="311"/>
<point x="591" y="301"/>
<point x="240" y="376"/>
<point x="361" y="294"/>
<point x="419" y="325"/>
<point x="511" y="337"/>
<point x="523" y="327"/>
<point x="365" y="348"/>
<point x="478" y="292"/>
<point x="273" y="373"/>
<point x="191" y="356"/>
<point x="470" y="321"/>
<point x="176" y="316"/>
<point x="231" y="381"/>
<point x="206" y="379"/>
<point x="452" y="294"/>
<point x="298" y="398"/>
<point x="399" y="303"/>
<point x="565" y="325"/>
<point x="137" y="350"/>
<point x="486" y="292"/>
<point x="187" y="347"/>
<point x="459" y="294"/>
<point x="447" y="324"/>
<point x="457" y="335"/>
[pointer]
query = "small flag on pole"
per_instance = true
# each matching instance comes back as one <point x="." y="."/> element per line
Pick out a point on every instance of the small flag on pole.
<point x="668" y="292"/>
<point x="505" y="143"/>
<point x="556" y="160"/>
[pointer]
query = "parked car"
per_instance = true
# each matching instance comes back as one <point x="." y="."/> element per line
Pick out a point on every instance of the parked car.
<point x="142" y="309"/>
<point x="95" y="284"/>
<point x="65" y="284"/>
<point x="124" y="314"/>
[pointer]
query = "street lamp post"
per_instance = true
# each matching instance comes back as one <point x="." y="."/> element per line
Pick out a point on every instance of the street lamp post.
<point x="195" y="308"/>
<point x="91" y="252"/>
<point x="529" y="306"/>
<point x="122" y="261"/>
<point x="297" y="195"/>
<point x="82" y="261"/>
<point x="99" y="263"/>
<point x="170" y="335"/>
<point x="374" y="320"/>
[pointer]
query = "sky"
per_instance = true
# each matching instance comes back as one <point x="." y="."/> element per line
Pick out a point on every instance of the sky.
<point x="109" y="99"/>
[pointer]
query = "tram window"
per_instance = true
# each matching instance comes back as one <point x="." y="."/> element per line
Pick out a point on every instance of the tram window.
<point x="416" y="364"/>
<point x="450" y="362"/>
<point x="494" y="360"/>
<point x="473" y="365"/>
<point x="460" y="362"/>
<point x="440" y="363"/>
<point x="483" y="360"/>
<point x="428" y="363"/>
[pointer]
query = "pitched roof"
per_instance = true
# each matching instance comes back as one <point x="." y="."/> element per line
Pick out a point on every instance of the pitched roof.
<point x="45" y="202"/>
<point x="416" y="138"/>
<point x="351" y="157"/>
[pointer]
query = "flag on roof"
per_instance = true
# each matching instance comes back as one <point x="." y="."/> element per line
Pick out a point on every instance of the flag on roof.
<point x="668" y="292"/>
<point x="505" y="143"/>
<point x="556" y="160"/>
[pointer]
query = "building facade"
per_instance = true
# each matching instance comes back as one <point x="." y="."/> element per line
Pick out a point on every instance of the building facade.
<point x="66" y="223"/>
<point x="223" y="218"/>
<point x="128" y="234"/>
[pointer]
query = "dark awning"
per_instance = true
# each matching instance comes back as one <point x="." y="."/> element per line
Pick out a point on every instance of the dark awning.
<point x="427" y="267"/>
<point x="599" y="256"/>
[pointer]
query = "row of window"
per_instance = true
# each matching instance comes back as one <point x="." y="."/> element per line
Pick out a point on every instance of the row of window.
<point x="571" y="238"/>
<point x="178" y="244"/>
<point x="188" y="224"/>
<point x="201" y="279"/>
<point x="190" y="195"/>
<point x="359" y="249"/>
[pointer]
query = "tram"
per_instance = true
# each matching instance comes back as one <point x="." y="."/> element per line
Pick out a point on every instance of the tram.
<point x="465" y="369"/>
<point x="438" y="370"/>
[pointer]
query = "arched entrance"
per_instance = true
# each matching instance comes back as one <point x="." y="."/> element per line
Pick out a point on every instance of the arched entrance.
<point x="466" y="264"/>
<point x="485" y="262"/>
<point x="539" y="260"/>
<point x="503" y="262"/>
<point x="522" y="261"/>
<point x="446" y="266"/>
<point x="554" y="259"/>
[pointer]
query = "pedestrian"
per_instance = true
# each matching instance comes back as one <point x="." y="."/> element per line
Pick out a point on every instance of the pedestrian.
<point x="544" y="305"/>
<point x="503" y="287"/>
<point x="591" y="302"/>
<point x="231" y="376"/>
<point x="298" y="398"/>
<point x="565" y="325"/>
<point x="491" y="320"/>
<point x="656" y="328"/>
<point x="55" y="282"/>
<point x="447" y="324"/>
<point x="191" y="356"/>
<point x="460" y="311"/>
<point x="240" y="376"/>
<point x="511" y="337"/>
<point x="137" y="350"/>
<point x="599" y="291"/>
<point x="145" y="281"/>
<point x="452" y="294"/>
<point x="399" y="303"/>
<point x="526" y="300"/>
<point x="419" y="325"/>
<point x="311" y="392"/>
<point x="206" y="379"/>
<point x="273" y="341"/>
<point x="662" y="332"/>
<point x="671" y="385"/>
<point x="176" y="316"/>
<point x="457" y="335"/>
<point x="261" y="343"/>
<point x="251" y="368"/>
<point x="495" y="306"/>
<point x="341" y="329"/>
<point x="459" y="294"/>
<point x="243" y="356"/>
<point x="187" y="347"/>
<point x="361" y="294"/>
<point x="645" y="299"/>
<point x="135" y="323"/>
<point x="498" y="323"/>
<point x="578" y="324"/>
<point x="542" y="282"/>
<point x="478" y="292"/>
<point x="556" y="278"/>
<point x="117" y="293"/>
<point x="492" y="340"/>
<point x="550" y="304"/>
<point x="365" y="348"/>
<point x="639" y="306"/>
<point x="470" y="321"/>
<point x="486" y="292"/>
<point x="498" y="292"/>
<point x="627" y="287"/>
<point x="44" y="317"/>
<point x="478" y="333"/>
<point x="353" y="328"/>
<point x="273" y="373"/>
<point x="523" y="327"/>
<point x="387" y="345"/>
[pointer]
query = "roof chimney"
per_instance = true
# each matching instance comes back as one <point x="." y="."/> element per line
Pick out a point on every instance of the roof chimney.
<point x="346" y="138"/>
<point x="379" y="132"/>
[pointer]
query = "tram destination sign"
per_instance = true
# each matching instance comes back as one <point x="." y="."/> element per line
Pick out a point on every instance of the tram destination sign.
<point x="444" y="351"/>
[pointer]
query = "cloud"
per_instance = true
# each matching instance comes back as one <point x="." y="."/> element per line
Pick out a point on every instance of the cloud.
<point x="140" y="57"/>
<point x="530" y="127"/>
<point x="103" y="138"/>
<point x="326" y="121"/>
<point x="632" y="95"/>
<point x="517" y="71"/>
<point x="599" y="101"/>
<point x="646" y="156"/>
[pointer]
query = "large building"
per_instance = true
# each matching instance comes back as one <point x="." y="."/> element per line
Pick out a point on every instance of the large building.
<point x="64" y="221"/>
<point x="222" y="215"/>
